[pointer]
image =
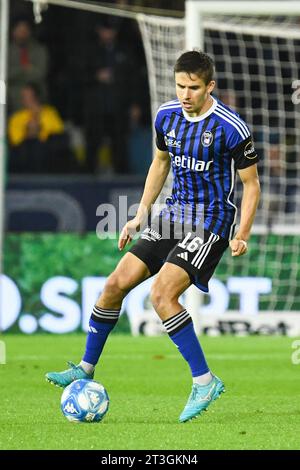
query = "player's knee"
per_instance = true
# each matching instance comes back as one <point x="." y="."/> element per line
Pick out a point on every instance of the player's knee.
<point x="115" y="286"/>
<point x="155" y="297"/>
<point x="159" y="295"/>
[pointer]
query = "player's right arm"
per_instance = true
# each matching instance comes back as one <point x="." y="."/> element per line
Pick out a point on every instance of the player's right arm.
<point x="155" y="180"/>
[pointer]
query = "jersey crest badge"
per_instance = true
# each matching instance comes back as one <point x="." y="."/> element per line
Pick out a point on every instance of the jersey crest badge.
<point x="207" y="138"/>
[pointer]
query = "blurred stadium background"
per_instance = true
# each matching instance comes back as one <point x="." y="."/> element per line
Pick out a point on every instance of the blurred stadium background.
<point x="99" y="71"/>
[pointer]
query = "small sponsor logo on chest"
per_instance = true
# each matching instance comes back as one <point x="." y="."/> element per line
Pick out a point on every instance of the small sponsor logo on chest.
<point x="172" y="142"/>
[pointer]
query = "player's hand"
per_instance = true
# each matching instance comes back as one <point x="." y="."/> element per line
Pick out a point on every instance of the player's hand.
<point x="128" y="232"/>
<point x="238" y="247"/>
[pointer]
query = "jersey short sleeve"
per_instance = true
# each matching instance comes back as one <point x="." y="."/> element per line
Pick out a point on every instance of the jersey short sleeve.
<point x="240" y="144"/>
<point x="160" y="139"/>
<point x="244" y="154"/>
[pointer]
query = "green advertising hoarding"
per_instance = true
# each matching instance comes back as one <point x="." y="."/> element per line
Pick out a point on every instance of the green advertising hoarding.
<point x="51" y="274"/>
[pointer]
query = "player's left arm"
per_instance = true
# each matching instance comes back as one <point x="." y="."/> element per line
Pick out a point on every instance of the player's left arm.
<point x="250" y="200"/>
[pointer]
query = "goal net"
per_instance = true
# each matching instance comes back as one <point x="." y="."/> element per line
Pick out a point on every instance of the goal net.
<point x="257" y="62"/>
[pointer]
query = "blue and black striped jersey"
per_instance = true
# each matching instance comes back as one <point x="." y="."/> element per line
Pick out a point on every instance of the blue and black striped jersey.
<point x="205" y="153"/>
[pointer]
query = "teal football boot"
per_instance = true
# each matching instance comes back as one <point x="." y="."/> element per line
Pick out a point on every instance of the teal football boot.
<point x="201" y="397"/>
<point x="64" y="378"/>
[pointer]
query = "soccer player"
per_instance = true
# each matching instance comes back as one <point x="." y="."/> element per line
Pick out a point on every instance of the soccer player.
<point x="205" y="143"/>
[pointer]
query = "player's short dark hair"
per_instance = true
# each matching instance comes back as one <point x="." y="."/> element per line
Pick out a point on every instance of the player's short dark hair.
<point x="196" y="62"/>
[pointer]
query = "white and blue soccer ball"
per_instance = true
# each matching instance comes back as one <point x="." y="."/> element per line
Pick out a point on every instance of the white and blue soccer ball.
<point x="84" y="401"/>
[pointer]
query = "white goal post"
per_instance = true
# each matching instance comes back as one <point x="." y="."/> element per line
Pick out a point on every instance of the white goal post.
<point x="196" y="10"/>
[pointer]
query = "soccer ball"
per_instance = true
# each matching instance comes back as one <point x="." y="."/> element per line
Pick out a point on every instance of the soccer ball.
<point x="84" y="401"/>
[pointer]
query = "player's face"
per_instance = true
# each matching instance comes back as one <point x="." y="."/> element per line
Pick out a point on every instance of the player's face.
<point x="193" y="93"/>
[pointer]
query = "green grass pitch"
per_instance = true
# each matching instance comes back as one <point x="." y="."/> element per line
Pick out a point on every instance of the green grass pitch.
<point x="148" y="383"/>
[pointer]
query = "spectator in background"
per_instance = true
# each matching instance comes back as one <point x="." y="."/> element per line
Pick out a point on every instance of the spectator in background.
<point x="112" y="82"/>
<point x="36" y="136"/>
<point x="27" y="62"/>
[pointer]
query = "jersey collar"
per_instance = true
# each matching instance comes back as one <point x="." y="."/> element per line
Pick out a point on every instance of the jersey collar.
<point x="203" y="116"/>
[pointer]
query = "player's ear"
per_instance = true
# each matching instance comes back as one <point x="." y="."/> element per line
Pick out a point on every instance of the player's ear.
<point x="211" y="86"/>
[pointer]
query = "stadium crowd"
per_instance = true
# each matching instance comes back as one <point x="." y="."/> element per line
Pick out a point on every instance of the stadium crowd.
<point x="78" y="97"/>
